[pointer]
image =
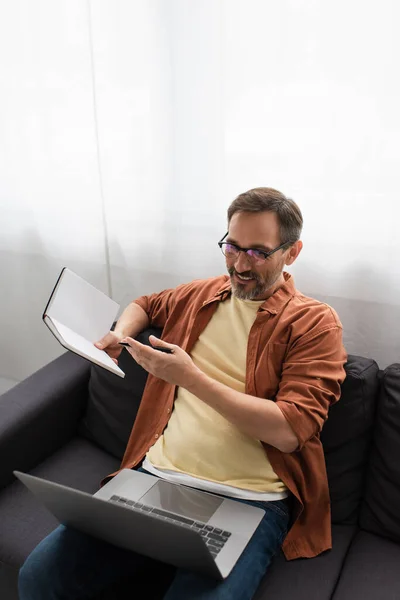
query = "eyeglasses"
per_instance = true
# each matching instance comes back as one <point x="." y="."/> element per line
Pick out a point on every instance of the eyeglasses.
<point x="254" y="254"/>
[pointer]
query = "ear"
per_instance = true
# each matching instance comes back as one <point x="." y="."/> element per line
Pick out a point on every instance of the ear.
<point x="293" y="252"/>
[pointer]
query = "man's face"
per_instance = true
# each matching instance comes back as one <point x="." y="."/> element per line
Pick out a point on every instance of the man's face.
<point x="252" y="281"/>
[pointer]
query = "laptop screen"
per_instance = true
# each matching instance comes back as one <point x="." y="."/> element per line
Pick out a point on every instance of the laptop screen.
<point x="184" y="501"/>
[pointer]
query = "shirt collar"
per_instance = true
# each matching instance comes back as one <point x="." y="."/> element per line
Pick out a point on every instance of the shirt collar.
<point x="274" y="304"/>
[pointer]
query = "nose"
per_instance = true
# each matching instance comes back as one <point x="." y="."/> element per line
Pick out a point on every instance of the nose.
<point x="242" y="263"/>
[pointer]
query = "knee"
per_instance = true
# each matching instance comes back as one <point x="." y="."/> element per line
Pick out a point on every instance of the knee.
<point x="37" y="577"/>
<point x="30" y="581"/>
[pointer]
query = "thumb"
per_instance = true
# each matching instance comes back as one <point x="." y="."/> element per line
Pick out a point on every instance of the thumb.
<point x="105" y="341"/>
<point x="156" y="342"/>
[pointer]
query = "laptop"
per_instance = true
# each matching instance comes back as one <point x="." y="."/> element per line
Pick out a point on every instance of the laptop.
<point x="166" y="521"/>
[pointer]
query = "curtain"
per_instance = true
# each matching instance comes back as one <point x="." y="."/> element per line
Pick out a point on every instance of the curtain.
<point x="127" y="127"/>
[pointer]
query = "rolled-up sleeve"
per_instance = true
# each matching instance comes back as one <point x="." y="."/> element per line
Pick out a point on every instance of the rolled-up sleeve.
<point x="311" y="377"/>
<point x="157" y="307"/>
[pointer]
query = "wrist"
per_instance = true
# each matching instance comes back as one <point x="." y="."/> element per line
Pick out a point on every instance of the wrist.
<point x="196" y="382"/>
<point x="121" y="332"/>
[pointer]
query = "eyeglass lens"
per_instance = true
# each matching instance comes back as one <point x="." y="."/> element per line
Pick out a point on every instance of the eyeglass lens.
<point x="253" y="254"/>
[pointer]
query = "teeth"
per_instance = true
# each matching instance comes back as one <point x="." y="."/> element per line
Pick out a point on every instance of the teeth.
<point x="245" y="278"/>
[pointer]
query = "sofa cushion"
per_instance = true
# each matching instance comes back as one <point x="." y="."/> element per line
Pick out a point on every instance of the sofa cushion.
<point x="371" y="570"/>
<point x="305" y="578"/>
<point x="381" y="507"/>
<point x="347" y="436"/>
<point x="113" y="401"/>
<point x="23" y="519"/>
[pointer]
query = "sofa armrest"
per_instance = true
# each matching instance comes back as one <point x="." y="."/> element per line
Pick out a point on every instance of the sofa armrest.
<point x="40" y="414"/>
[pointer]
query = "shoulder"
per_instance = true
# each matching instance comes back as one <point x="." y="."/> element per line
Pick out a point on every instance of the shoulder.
<point x="310" y="317"/>
<point x="315" y="307"/>
<point x="203" y="289"/>
<point x="200" y="290"/>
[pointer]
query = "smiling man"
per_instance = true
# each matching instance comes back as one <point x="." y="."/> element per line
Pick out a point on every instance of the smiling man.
<point x="254" y="274"/>
<point x="236" y="408"/>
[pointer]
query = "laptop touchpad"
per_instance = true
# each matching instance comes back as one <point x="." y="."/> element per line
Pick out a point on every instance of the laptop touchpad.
<point x="182" y="500"/>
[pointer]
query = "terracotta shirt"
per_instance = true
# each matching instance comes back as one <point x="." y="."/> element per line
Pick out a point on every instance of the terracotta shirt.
<point x="295" y="357"/>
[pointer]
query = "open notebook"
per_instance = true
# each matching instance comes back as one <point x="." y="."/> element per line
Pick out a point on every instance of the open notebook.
<point x="78" y="315"/>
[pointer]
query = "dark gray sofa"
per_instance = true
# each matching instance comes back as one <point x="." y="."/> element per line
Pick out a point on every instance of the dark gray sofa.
<point x="70" y="421"/>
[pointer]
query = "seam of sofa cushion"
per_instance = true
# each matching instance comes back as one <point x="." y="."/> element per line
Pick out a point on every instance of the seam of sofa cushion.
<point x="360" y="374"/>
<point x="343" y="562"/>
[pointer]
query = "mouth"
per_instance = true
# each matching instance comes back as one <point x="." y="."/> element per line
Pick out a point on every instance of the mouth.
<point x="243" y="278"/>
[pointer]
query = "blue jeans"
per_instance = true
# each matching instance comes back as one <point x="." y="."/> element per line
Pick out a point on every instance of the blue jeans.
<point x="70" y="565"/>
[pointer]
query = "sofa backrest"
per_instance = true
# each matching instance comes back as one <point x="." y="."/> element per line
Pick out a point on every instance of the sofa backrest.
<point x="380" y="511"/>
<point x="347" y="436"/>
<point x="113" y="401"/>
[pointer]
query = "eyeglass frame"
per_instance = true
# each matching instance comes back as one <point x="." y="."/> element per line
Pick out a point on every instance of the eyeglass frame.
<point x="266" y="254"/>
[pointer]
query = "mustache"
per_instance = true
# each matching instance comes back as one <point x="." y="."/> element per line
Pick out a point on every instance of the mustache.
<point x="232" y="271"/>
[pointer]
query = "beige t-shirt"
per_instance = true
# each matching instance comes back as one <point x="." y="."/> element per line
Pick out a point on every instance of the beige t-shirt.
<point x="198" y="440"/>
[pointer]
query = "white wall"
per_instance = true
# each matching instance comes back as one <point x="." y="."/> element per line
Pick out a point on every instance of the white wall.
<point x="127" y="127"/>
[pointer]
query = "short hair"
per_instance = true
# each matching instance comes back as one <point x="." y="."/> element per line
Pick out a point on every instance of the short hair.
<point x="265" y="199"/>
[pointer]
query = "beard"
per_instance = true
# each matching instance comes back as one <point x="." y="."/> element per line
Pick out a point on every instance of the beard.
<point x="261" y="287"/>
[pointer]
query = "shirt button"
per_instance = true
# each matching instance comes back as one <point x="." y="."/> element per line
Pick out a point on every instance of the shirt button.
<point x="168" y="410"/>
<point x="156" y="436"/>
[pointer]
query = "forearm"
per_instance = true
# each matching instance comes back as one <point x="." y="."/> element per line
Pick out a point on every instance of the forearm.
<point x="132" y="321"/>
<point x="257" y="417"/>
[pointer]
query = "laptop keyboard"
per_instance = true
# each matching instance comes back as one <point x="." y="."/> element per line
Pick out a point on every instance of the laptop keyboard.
<point x="214" y="538"/>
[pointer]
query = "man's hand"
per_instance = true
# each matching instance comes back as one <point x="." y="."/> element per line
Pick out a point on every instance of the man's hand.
<point x="176" y="368"/>
<point x="109" y="343"/>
